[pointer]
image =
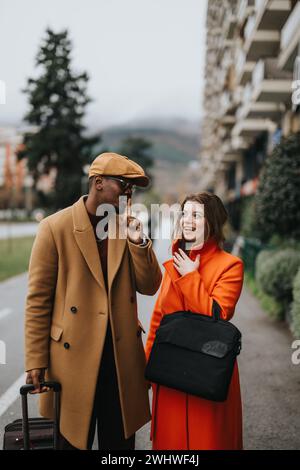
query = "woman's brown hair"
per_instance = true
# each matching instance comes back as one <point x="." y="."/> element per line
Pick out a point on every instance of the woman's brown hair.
<point x="215" y="215"/>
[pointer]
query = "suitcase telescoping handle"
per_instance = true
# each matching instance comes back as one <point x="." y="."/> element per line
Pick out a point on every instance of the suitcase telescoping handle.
<point x="24" y="390"/>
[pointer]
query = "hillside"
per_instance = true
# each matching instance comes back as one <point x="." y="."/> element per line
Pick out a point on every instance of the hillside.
<point x="173" y="143"/>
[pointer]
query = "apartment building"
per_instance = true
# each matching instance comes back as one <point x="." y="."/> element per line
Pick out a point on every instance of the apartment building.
<point x="251" y="65"/>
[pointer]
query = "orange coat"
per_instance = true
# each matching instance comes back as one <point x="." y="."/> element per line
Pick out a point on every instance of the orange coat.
<point x="181" y="421"/>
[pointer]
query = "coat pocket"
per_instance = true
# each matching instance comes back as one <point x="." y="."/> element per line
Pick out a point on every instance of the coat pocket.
<point x="56" y="332"/>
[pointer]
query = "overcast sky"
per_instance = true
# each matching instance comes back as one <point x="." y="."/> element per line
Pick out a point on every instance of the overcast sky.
<point x="145" y="58"/>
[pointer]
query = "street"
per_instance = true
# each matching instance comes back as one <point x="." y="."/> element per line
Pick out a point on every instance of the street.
<point x="15" y="230"/>
<point x="270" y="382"/>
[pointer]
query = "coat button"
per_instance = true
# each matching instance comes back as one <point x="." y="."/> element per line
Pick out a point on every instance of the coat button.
<point x="66" y="345"/>
<point x="132" y="299"/>
<point x="139" y="332"/>
<point x="73" y="309"/>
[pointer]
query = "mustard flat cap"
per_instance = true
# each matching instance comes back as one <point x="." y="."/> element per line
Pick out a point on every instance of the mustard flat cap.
<point x="113" y="164"/>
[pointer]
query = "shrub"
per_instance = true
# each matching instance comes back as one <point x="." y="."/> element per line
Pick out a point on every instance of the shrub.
<point x="275" y="273"/>
<point x="271" y="306"/>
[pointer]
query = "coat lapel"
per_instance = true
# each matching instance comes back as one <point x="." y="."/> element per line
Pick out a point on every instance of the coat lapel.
<point x="85" y="238"/>
<point x="116" y="249"/>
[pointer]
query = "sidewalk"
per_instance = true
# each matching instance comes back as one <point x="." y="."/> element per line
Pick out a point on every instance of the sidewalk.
<point x="270" y="383"/>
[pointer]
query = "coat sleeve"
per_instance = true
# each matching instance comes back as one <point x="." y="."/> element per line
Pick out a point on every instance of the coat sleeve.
<point x="43" y="266"/>
<point x="226" y="291"/>
<point x="147" y="272"/>
<point x="154" y="324"/>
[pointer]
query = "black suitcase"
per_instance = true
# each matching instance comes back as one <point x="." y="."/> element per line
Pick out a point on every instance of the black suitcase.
<point x="34" y="433"/>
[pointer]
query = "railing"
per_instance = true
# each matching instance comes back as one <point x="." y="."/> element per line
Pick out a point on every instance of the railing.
<point x="247" y="93"/>
<point x="225" y="102"/>
<point x="290" y="27"/>
<point x="237" y="95"/>
<point x="260" y="5"/>
<point x="250" y="26"/>
<point x="240" y="61"/>
<point x="242" y="10"/>
<point x="240" y="114"/>
<point x="258" y="73"/>
<point x="230" y="18"/>
<point x="296" y="72"/>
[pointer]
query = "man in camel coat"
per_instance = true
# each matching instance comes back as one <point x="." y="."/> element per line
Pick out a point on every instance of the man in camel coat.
<point x="81" y="322"/>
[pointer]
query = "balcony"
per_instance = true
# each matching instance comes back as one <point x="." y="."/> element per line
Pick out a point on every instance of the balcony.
<point x="247" y="93"/>
<point x="260" y="43"/>
<point x="225" y="103"/>
<point x="250" y="128"/>
<point x="227" y="59"/>
<point x="269" y="84"/>
<point x="263" y="110"/>
<point x="290" y="40"/>
<point x="232" y="157"/>
<point x="227" y="106"/>
<point x="272" y="15"/>
<point x="229" y="27"/>
<point x="262" y="31"/>
<point x="228" y="121"/>
<point x="238" y="143"/>
<point x="243" y="68"/>
<point x="245" y="8"/>
<point x="246" y="74"/>
<point x="237" y="95"/>
<point x="228" y="153"/>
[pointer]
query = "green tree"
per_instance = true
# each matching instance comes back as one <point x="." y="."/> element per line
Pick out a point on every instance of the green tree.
<point x="58" y="100"/>
<point x="278" y="195"/>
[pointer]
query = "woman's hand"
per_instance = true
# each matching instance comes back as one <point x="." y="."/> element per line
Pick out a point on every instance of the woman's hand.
<point x="184" y="264"/>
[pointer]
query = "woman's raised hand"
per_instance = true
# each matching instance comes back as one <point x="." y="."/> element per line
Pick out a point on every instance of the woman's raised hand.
<point x="184" y="264"/>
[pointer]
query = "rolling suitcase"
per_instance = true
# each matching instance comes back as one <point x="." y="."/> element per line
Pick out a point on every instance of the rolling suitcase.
<point x="34" y="433"/>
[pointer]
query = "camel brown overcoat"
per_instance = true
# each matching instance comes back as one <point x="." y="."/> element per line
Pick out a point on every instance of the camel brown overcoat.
<point x="67" y="311"/>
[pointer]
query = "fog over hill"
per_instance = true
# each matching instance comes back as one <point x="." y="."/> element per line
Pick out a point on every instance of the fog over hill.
<point x="174" y="139"/>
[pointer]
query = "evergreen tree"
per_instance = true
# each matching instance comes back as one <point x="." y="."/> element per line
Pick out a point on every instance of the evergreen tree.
<point x="58" y="101"/>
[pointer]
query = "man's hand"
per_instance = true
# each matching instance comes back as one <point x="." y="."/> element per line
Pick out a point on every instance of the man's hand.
<point x="134" y="225"/>
<point x="36" y="377"/>
<point x="135" y="230"/>
<point x="184" y="264"/>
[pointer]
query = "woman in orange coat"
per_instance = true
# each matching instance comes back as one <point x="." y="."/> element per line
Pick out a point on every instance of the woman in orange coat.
<point x="198" y="273"/>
